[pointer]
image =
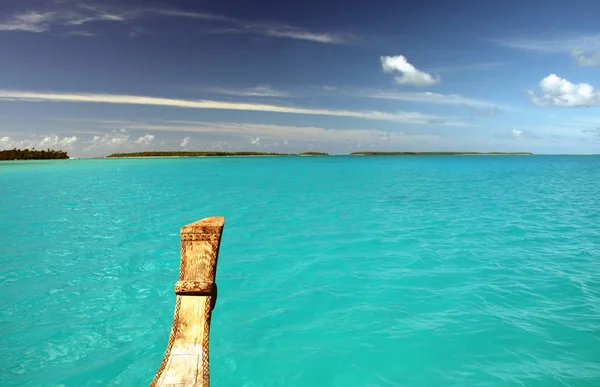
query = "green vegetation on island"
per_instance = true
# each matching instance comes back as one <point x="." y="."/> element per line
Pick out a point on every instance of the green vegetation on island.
<point x="435" y="153"/>
<point x="214" y="153"/>
<point x="33" y="154"/>
<point x="313" y="154"/>
<point x="193" y="154"/>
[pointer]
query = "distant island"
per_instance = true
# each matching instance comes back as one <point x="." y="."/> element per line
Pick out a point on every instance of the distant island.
<point x="216" y="154"/>
<point x="313" y="154"/>
<point x="208" y="154"/>
<point x="435" y="153"/>
<point x="33" y="154"/>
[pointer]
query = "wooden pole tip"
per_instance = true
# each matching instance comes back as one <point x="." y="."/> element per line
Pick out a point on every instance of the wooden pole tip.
<point x="210" y="225"/>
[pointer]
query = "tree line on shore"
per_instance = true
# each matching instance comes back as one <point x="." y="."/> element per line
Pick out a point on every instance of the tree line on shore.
<point x="210" y="153"/>
<point x="207" y="153"/>
<point x="32" y="154"/>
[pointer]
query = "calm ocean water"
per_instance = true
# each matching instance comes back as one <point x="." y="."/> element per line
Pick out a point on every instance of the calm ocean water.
<point x="339" y="271"/>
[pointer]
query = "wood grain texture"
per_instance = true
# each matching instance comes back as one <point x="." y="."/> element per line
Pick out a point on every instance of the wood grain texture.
<point x="186" y="359"/>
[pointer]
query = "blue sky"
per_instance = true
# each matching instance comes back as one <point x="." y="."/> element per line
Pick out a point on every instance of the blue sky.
<point x="100" y="77"/>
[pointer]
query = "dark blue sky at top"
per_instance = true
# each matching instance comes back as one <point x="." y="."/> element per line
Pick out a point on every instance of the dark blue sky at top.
<point x="156" y="55"/>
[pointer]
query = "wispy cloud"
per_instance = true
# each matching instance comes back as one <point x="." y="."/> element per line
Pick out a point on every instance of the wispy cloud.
<point x="586" y="59"/>
<point x="487" y="108"/>
<point x="41" y="21"/>
<point x="28" y="22"/>
<point x="282" y="31"/>
<point x="80" y="33"/>
<point x="404" y="117"/>
<point x="194" y="15"/>
<point x="553" y="45"/>
<point x="477" y="107"/>
<point x="521" y="134"/>
<point x="434" y="98"/>
<point x="479" y="112"/>
<point x="258" y="91"/>
<point x="583" y="48"/>
<point x="93" y="13"/>
<point x="279" y="30"/>
<point x="484" y="66"/>
<point x="76" y="16"/>
<point x="269" y="29"/>
<point x="593" y="131"/>
<point x="408" y="74"/>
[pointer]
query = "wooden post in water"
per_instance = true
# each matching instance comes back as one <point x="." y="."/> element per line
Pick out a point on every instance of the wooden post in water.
<point x="185" y="363"/>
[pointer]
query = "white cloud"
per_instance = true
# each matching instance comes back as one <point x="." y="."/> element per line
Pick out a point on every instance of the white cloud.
<point x="258" y="91"/>
<point x="517" y="133"/>
<point x="409" y="74"/>
<point x="40" y="142"/>
<point x="55" y="140"/>
<point x="557" y="91"/>
<point x="108" y="140"/>
<point x="145" y="140"/>
<point x="185" y="142"/>
<point x="405" y="117"/>
<point x="584" y="49"/>
<point x="116" y="142"/>
<point x="256" y="141"/>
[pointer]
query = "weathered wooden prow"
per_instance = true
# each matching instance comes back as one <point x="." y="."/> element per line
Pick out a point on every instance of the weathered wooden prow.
<point x="186" y="359"/>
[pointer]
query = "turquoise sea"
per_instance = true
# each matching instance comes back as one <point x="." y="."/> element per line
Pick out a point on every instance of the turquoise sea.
<point x="334" y="271"/>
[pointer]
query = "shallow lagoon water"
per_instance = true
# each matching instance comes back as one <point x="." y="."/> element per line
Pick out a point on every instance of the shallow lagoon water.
<point x="333" y="271"/>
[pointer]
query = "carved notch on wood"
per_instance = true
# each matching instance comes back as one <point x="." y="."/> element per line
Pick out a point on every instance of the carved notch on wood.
<point x="194" y="288"/>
